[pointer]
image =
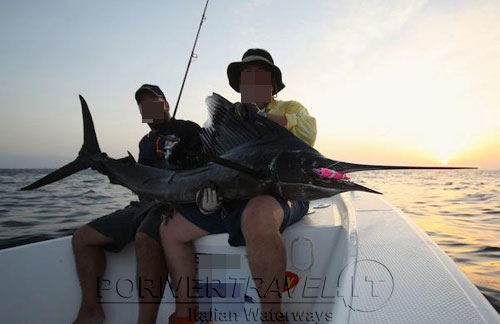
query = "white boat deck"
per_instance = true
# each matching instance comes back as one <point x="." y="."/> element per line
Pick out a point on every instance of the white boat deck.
<point x="400" y="275"/>
<point x="427" y="286"/>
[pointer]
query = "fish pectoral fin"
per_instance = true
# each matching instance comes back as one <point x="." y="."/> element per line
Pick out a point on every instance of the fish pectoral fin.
<point x="233" y="165"/>
<point x="343" y="185"/>
<point x="357" y="187"/>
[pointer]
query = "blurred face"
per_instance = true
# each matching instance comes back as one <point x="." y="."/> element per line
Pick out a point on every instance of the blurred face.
<point x="154" y="110"/>
<point x="256" y="83"/>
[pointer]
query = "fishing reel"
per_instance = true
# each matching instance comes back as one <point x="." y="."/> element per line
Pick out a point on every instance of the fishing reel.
<point x="166" y="144"/>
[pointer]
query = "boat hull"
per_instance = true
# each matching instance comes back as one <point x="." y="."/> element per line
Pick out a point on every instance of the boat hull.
<point x="40" y="284"/>
<point x="354" y="259"/>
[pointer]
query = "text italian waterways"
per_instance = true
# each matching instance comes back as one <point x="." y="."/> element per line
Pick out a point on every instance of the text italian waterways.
<point x="256" y="314"/>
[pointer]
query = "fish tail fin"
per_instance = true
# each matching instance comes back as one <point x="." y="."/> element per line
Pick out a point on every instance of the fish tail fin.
<point x="90" y="145"/>
<point x="90" y="149"/>
<point x="73" y="167"/>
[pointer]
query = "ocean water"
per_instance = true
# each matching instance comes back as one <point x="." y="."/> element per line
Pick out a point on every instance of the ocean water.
<point x="458" y="209"/>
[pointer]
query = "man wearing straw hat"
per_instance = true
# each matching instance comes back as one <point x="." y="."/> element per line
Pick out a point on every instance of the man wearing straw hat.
<point x="257" y="223"/>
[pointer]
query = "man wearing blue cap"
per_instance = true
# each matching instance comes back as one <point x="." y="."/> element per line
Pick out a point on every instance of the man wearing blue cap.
<point x="168" y="145"/>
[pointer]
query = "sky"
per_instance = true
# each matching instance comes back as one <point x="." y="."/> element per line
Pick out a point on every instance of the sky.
<point x="389" y="82"/>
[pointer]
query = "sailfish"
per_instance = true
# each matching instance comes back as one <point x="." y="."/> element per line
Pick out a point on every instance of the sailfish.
<point x="244" y="159"/>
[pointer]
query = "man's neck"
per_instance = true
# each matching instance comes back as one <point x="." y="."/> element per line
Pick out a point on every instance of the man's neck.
<point x="159" y="127"/>
<point x="263" y="105"/>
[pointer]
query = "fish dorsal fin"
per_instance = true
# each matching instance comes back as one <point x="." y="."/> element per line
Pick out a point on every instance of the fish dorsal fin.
<point x="224" y="131"/>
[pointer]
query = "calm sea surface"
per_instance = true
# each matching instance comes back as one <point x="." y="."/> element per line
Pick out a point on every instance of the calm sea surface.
<point x="459" y="210"/>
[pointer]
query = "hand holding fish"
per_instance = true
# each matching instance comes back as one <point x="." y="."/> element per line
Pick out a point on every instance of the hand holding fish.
<point x="207" y="200"/>
<point x="245" y="110"/>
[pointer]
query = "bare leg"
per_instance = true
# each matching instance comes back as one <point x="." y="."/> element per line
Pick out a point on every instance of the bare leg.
<point x="151" y="276"/>
<point x="90" y="264"/>
<point x="177" y="238"/>
<point x="260" y="225"/>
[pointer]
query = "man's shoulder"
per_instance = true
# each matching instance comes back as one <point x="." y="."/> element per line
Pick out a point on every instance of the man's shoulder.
<point x="144" y="138"/>
<point x="187" y="130"/>
<point x="185" y="124"/>
<point x="290" y="104"/>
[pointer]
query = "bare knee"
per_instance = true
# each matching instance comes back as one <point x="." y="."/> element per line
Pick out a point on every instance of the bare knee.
<point x="76" y="240"/>
<point x="261" y="218"/>
<point x="87" y="236"/>
<point x="144" y="242"/>
<point x="179" y="230"/>
<point x="80" y="237"/>
<point x="168" y="228"/>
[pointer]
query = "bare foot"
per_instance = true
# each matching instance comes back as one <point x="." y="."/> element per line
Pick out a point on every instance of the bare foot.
<point x="90" y="316"/>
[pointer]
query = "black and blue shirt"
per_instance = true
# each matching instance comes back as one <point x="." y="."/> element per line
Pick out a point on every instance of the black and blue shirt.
<point x="174" y="146"/>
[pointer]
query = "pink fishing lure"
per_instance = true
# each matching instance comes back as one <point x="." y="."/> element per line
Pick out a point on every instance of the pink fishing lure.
<point x="330" y="174"/>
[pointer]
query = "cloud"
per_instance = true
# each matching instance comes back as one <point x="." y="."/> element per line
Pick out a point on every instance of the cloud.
<point x="364" y="26"/>
<point x="405" y="74"/>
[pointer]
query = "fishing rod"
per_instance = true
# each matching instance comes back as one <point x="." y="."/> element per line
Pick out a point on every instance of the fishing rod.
<point x="193" y="55"/>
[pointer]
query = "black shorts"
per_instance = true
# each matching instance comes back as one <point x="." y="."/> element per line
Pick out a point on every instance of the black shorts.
<point x="228" y="220"/>
<point x="122" y="225"/>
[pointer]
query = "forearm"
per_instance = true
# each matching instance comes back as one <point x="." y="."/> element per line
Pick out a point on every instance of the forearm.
<point x="304" y="127"/>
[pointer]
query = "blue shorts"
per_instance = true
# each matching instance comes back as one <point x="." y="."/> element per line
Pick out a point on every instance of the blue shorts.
<point x="228" y="219"/>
